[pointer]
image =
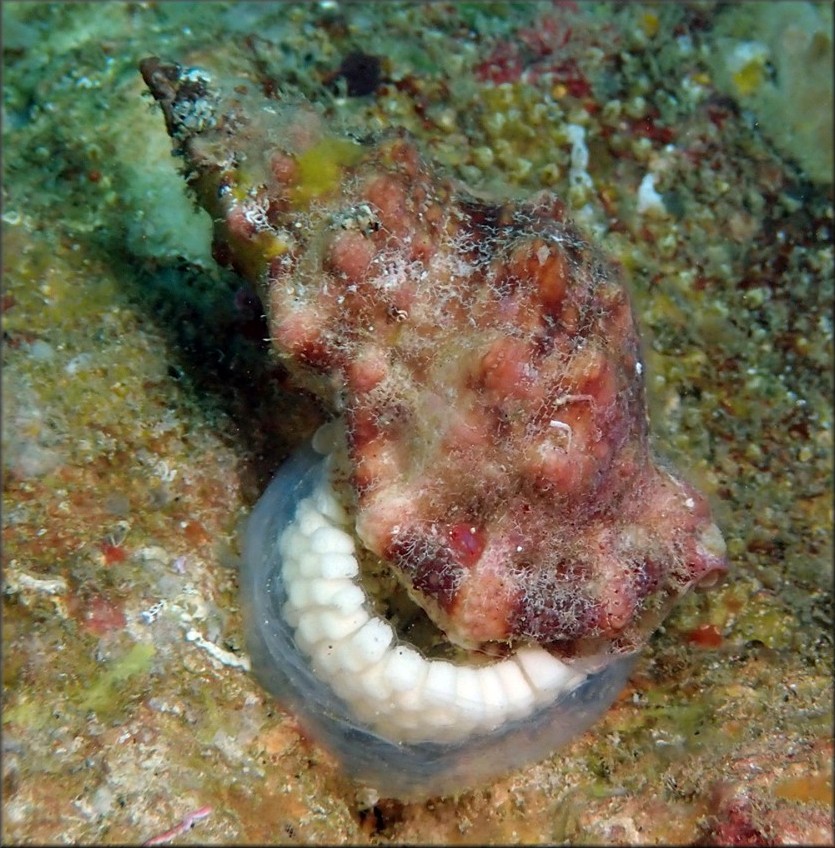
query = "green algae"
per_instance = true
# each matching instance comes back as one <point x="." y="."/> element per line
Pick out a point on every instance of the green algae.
<point x="31" y="712"/>
<point x="768" y="623"/>
<point x="107" y="693"/>
<point x="320" y="168"/>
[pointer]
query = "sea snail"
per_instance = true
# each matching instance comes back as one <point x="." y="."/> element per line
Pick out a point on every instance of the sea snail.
<point x="456" y="577"/>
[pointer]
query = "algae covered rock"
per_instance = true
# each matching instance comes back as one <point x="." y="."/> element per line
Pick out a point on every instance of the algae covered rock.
<point x="775" y="59"/>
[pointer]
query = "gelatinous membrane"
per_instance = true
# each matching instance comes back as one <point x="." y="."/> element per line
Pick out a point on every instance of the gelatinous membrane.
<point x="400" y="723"/>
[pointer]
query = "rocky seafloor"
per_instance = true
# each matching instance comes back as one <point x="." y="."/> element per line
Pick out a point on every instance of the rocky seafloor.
<point x="143" y="415"/>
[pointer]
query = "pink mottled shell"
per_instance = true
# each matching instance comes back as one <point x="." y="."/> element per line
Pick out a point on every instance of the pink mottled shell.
<point x="487" y="364"/>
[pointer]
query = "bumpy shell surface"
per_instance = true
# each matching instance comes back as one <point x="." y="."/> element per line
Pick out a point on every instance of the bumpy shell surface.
<point x="485" y="359"/>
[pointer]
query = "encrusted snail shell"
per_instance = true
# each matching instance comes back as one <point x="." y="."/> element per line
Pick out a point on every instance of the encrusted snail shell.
<point x="492" y="450"/>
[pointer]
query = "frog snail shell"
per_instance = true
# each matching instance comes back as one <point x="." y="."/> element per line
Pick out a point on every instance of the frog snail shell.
<point x="495" y="459"/>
